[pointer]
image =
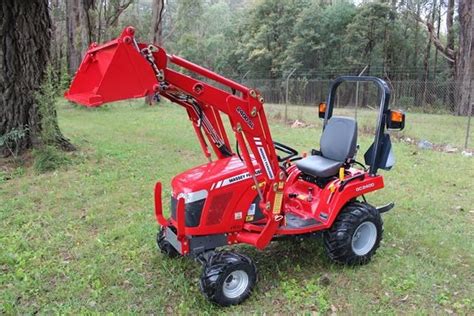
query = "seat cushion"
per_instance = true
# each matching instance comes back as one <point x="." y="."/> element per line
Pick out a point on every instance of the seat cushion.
<point x="318" y="166"/>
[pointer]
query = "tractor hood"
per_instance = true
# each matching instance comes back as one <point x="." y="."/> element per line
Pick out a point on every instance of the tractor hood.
<point x="212" y="176"/>
<point x="114" y="71"/>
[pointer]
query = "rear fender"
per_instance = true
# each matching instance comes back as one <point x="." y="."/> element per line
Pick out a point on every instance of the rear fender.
<point x="332" y="201"/>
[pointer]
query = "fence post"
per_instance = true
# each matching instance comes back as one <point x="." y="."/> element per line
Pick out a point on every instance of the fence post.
<point x="470" y="103"/>
<point x="357" y="91"/>
<point x="466" y="142"/>
<point x="286" y="96"/>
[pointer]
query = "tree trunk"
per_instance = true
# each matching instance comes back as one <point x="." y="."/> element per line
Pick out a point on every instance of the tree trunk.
<point x="415" y="55"/>
<point x="55" y="40"/>
<point x="450" y="46"/>
<point x="449" y="24"/>
<point x="72" y="24"/>
<point x="435" y="64"/>
<point x="156" y="22"/>
<point x="24" y="55"/>
<point x="417" y="96"/>
<point x="158" y="7"/>
<point x="465" y="59"/>
<point x="85" y="23"/>
<point x="426" y="58"/>
<point x="79" y="29"/>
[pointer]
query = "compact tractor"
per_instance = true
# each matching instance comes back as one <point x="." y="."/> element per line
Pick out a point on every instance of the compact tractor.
<point x="259" y="190"/>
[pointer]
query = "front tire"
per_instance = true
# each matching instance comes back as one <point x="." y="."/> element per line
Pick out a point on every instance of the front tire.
<point x="228" y="278"/>
<point x="355" y="235"/>
<point x="164" y="245"/>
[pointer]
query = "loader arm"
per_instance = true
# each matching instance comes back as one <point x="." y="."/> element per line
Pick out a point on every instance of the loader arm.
<point x="123" y="69"/>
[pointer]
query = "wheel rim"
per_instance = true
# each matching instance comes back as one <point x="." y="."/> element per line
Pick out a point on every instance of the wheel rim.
<point x="363" y="239"/>
<point x="235" y="284"/>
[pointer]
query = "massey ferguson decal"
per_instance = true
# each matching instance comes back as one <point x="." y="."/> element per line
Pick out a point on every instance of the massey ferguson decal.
<point x="266" y="164"/>
<point x="234" y="179"/>
<point x="245" y="117"/>
<point x="238" y="178"/>
<point x="264" y="157"/>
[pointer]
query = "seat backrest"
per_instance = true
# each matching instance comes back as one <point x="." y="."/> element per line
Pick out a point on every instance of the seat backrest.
<point x="339" y="138"/>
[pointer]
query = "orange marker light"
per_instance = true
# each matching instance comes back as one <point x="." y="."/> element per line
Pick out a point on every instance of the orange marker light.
<point x="322" y="107"/>
<point x="322" y="110"/>
<point x="396" y="116"/>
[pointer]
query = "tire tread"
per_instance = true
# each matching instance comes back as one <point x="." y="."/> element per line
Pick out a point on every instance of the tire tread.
<point x="165" y="246"/>
<point x="338" y="239"/>
<point x="214" y="274"/>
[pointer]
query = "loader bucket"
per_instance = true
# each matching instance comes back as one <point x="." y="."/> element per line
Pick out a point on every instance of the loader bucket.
<point x="110" y="72"/>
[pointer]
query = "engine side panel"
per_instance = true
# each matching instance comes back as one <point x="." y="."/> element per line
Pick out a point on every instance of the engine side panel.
<point x="225" y="191"/>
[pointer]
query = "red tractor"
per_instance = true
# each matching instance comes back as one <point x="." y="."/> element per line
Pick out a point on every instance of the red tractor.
<point x="261" y="190"/>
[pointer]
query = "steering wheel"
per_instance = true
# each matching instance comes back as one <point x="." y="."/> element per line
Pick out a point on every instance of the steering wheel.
<point x="291" y="152"/>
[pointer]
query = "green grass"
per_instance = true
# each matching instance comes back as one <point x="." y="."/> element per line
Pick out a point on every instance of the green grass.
<point x="81" y="238"/>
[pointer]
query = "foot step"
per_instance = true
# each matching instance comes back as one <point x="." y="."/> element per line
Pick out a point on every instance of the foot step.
<point x="295" y="221"/>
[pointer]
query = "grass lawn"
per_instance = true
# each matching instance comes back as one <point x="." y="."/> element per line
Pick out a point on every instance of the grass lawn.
<point x="82" y="238"/>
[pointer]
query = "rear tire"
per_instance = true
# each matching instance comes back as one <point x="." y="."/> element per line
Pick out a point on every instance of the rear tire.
<point x="165" y="246"/>
<point x="355" y="235"/>
<point x="228" y="278"/>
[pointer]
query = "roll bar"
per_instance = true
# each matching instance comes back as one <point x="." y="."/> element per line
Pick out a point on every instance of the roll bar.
<point x="375" y="161"/>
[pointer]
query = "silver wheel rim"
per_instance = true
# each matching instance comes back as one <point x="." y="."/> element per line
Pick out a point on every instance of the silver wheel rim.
<point x="363" y="239"/>
<point x="235" y="284"/>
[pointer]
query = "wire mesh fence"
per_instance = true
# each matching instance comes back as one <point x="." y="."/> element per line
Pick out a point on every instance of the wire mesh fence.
<point x="433" y="101"/>
<point x="422" y="96"/>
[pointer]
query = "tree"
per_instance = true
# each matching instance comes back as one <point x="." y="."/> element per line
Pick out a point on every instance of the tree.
<point x="90" y="21"/>
<point x="73" y="52"/>
<point x="79" y="31"/>
<point x="427" y="54"/>
<point x="158" y="7"/>
<point x="26" y="31"/>
<point x="450" y="47"/>
<point x="465" y="58"/>
<point x="189" y="36"/>
<point x="157" y="22"/>
<point x="372" y="36"/>
<point x="57" y="17"/>
<point x="266" y="35"/>
<point x="460" y="59"/>
<point x="450" y="33"/>
<point x="318" y="46"/>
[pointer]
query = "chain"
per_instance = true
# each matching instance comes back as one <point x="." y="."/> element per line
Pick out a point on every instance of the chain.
<point x="148" y="53"/>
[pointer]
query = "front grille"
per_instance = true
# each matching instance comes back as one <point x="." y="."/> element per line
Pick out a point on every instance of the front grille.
<point x="192" y="211"/>
<point x="216" y="208"/>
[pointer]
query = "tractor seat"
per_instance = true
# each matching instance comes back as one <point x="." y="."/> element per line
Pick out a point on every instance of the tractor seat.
<point x="338" y="144"/>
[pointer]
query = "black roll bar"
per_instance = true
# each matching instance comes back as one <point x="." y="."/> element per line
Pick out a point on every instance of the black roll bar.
<point x="383" y="109"/>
